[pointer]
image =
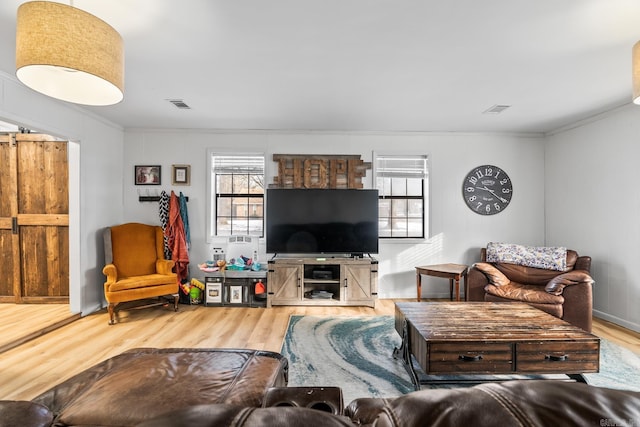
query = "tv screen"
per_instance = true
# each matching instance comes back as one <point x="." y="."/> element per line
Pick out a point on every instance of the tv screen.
<point x="341" y="221"/>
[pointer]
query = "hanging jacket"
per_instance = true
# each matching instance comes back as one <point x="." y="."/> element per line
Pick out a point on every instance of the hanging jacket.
<point x="185" y="218"/>
<point x="177" y="239"/>
<point x="163" y="210"/>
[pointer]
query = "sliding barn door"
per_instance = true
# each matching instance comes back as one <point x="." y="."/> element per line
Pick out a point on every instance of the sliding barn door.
<point x="34" y="219"/>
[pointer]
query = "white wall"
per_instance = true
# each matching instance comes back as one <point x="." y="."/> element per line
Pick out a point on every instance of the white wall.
<point x="592" y="204"/>
<point x="576" y="188"/>
<point x="95" y="175"/>
<point x="457" y="233"/>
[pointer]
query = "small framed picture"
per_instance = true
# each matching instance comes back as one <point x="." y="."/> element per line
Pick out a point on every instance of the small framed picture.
<point x="213" y="293"/>
<point x="180" y="174"/>
<point x="147" y="175"/>
<point x="235" y="295"/>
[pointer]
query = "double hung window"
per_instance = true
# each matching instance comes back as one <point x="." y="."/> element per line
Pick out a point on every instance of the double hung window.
<point x="237" y="182"/>
<point x="402" y="183"/>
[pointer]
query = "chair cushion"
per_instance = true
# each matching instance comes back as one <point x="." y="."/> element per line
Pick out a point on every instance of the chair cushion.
<point x="134" y="249"/>
<point x="528" y="275"/>
<point x="495" y="276"/>
<point x="526" y="293"/>
<point x="144" y="383"/>
<point x="138" y="282"/>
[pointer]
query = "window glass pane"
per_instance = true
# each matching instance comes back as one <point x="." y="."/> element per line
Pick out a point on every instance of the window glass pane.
<point x="399" y="207"/>
<point x="240" y="184"/>
<point x="223" y="184"/>
<point x="256" y="184"/>
<point x="399" y="227"/>
<point x="415" y="208"/>
<point x="414" y="187"/>
<point x="240" y="206"/>
<point x="398" y="186"/>
<point x="223" y="205"/>
<point x="255" y="207"/>
<point x="384" y="208"/>
<point x="414" y="227"/>
<point x="255" y="227"/>
<point x="240" y="226"/>
<point x="384" y="227"/>
<point x="384" y="186"/>
<point x="223" y="226"/>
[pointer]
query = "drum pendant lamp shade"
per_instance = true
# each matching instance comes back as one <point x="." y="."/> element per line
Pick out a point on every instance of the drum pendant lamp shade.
<point x="69" y="54"/>
<point x="635" y="65"/>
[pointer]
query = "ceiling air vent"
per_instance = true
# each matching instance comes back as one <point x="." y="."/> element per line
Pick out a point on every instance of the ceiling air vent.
<point x="179" y="103"/>
<point x="496" y="109"/>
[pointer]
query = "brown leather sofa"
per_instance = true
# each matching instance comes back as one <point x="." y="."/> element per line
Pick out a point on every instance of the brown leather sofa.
<point x="522" y="403"/>
<point x="515" y="403"/>
<point x="565" y="294"/>
<point x="142" y="383"/>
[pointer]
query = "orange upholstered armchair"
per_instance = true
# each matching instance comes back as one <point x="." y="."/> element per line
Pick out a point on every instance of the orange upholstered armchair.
<point x="135" y="266"/>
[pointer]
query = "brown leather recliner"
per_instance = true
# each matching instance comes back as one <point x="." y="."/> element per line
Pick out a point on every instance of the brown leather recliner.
<point x="565" y="294"/>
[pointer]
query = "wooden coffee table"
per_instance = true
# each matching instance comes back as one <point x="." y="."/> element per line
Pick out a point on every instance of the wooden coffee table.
<point x="487" y="338"/>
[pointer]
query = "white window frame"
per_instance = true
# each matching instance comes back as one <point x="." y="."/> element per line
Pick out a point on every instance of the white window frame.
<point x="425" y="191"/>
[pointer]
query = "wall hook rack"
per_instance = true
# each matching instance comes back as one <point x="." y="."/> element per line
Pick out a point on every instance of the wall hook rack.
<point x="148" y="197"/>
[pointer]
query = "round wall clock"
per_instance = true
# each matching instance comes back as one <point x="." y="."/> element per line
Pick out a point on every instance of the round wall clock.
<point x="487" y="190"/>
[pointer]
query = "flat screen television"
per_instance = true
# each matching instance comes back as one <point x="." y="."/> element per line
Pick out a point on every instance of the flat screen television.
<point x="315" y="221"/>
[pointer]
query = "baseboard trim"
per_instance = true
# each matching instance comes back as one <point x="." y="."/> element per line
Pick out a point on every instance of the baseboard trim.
<point x="15" y="343"/>
<point x="618" y="321"/>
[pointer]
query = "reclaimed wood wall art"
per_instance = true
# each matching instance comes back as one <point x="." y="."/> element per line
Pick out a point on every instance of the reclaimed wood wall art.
<point x="319" y="171"/>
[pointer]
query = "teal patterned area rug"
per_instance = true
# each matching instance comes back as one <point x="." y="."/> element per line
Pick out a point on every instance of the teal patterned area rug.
<point x="355" y="353"/>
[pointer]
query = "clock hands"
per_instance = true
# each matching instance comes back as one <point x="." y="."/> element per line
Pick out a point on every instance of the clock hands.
<point x="492" y="192"/>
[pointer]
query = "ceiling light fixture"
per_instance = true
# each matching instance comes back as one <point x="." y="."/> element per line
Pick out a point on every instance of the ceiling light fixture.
<point x="69" y="54"/>
<point x="635" y="66"/>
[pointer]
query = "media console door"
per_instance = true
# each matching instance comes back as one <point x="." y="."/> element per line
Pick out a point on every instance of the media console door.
<point x="360" y="283"/>
<point x="284" y="284"/>
<point x="331" y="281"/>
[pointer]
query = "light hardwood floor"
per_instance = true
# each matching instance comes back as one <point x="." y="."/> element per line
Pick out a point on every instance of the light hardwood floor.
<point x="34" y="366"/>
<point x="22" y="322"/>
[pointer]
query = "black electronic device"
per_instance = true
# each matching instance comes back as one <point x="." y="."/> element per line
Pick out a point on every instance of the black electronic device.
<point x="314" y="221"/>
<point x="322" y="274"/>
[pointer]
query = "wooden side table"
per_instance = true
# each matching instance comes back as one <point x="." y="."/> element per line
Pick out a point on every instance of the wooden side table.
<point x="453" y="272"/>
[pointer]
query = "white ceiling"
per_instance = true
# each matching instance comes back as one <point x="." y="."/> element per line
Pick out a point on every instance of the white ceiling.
<point x="365" y="65"/>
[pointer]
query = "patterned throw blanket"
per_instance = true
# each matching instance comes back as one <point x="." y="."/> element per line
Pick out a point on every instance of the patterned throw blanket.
<point x="548" y="258"/>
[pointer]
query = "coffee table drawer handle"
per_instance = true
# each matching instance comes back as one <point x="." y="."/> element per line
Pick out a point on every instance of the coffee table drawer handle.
<point x="556" y="358"/>
<point x="469" y="358"/>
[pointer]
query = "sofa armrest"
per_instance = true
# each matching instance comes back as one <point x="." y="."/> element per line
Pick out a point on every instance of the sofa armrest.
<point x="164" y="266"/>
<point x="575" y="277"/>
<point x="578" y="305"/>
<point x="476" y="281"/>
<point x="364" y="411"/>
<point x="504" y="403"/>
<point x="111" y="272"/>
<point x="25" y="414"/>
<point x="583" y="263"/>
